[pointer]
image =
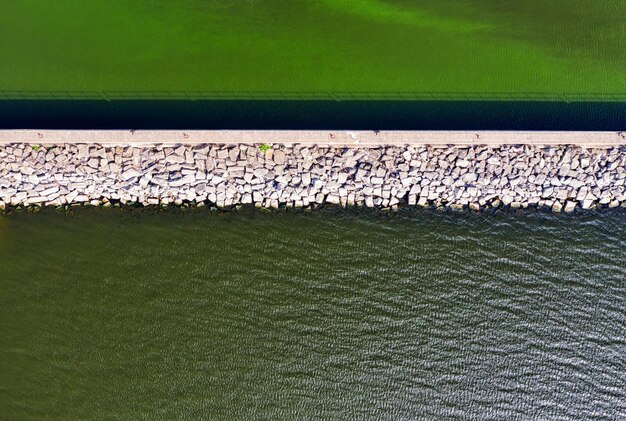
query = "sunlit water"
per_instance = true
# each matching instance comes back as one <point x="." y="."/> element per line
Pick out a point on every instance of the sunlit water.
<point x="331" y="315"/>
<point x="303" y="49"/>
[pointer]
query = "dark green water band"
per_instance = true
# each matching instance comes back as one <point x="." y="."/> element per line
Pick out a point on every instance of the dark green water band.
<point x="313" y="114"/>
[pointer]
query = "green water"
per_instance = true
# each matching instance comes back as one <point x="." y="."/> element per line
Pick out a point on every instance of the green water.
<point x="330" y="315"/>
<point x="314" y="49"/>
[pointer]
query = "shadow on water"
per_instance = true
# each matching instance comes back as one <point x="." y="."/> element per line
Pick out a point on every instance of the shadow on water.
<point x="312" y="114"/>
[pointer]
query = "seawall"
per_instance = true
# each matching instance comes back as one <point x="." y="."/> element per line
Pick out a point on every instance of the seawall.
<point x="557" y="177"/>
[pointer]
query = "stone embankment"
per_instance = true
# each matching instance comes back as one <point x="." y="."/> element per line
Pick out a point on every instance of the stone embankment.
<point x="560" y="178"/>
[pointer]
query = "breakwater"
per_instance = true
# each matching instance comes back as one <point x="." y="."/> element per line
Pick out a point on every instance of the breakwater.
<point x="560" y="178"/>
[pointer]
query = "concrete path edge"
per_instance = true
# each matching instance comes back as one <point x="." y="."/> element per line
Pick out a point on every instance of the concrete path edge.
<point x="356" y="138"/>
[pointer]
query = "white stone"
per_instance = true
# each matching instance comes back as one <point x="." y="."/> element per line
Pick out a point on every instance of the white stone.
<point x="507" y="199"/>
<point x="587" y="204"/>
<point x="570" y="206"/>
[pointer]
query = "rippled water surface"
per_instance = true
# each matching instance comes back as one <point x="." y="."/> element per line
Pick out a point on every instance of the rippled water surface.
<point x="332" y="315"/>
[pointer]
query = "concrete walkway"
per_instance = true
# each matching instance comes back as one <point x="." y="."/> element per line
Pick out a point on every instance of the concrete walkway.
<point x="323" y="138"/>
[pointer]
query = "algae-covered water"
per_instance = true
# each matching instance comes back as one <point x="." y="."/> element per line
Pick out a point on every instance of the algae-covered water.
<point x="300" y="49"/>
<point x="328" y="315"/>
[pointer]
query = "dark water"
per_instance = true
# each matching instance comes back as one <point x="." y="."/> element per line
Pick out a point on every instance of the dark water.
<point x="453" y="114"/>
<point x="330" y="315"/>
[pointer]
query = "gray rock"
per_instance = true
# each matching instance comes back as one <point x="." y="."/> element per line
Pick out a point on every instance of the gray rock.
<point x="130" y="173"/>
<point x="279" y="157"/>
<point x="570" y="206"/>
<point x="174" y="159"/>
<point x="474" y="177"/>
<point x="586" y="204"/>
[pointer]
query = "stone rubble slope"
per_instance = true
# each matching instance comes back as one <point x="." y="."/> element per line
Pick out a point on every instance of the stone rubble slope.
<point x="561" y="178"/>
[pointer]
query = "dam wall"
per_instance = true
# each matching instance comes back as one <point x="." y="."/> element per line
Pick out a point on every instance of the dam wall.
<point x="561" y="178"/>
